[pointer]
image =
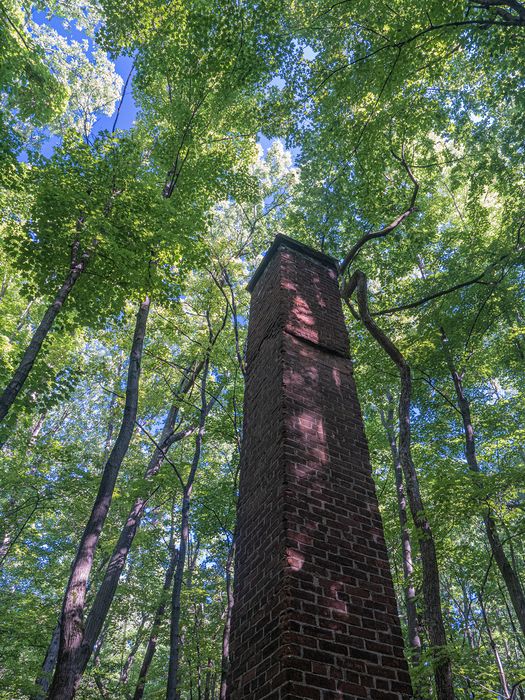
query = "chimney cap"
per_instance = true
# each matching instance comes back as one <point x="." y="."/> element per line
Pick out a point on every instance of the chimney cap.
<point x="281" y="240"/>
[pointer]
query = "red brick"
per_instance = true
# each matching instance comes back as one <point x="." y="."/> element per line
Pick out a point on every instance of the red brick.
<point x="315" y="612"/>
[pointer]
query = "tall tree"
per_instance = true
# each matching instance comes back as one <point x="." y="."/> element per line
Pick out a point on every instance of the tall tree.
<point x="172" y="691"/>
<point x="387" y="419"/>
<point x="431" y="581"/>
<point x="71" y="622"/>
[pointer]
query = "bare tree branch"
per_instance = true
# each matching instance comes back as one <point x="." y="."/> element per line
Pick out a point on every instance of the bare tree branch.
<point x="435" y="295"/>
<point x="381" y="233"/>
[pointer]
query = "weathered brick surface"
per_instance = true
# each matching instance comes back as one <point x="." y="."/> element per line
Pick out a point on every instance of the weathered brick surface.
<point x="315" y="614"/>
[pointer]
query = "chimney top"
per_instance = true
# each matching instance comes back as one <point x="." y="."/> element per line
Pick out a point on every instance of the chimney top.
<point x="286" y="242"/>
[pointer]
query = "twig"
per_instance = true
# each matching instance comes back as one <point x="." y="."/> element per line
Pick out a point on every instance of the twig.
<point x="123" y="95"/>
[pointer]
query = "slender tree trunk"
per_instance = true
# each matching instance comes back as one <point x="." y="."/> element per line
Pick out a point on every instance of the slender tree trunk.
<point x="172" y="692"/>
<point x="111" y="418"/>
<point x="23" y="317"/>
<point x="8" y="540"/>
<point x="196" y="632"/>
<point x="501" y="670"/>
<point x="4" y="546"/>
<point x="173" y="670"/>
<point x="71" y="637"/>
<point x="406" y="545"/>
<point x="106" y="592"/>
<point x="516" y="632"/>
<point x="431" y="584"/>
<point x="466" y="617"/>
<point x="35" y="430"/>
<point x="157" y="621"/>
<point x="508" y="573"/>
<point x="190" y="676"/>
<point x="28" y="358"/>
<point x="124" y="673"/>
<point x="225" y="660"/>
<point x="3" y="288"/>
<point x="46" y="672"/>
<point x="97" y="664"/>
<point x="207" y="685"/>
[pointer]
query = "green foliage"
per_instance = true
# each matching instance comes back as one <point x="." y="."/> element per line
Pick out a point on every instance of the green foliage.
<point x="369" y="97"/>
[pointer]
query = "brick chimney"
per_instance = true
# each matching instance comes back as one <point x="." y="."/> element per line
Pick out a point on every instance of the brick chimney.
<point x="315" y="613"/>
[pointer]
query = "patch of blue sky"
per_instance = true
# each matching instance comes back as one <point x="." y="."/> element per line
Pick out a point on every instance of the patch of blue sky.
<point x="125" y="108"/>
<point x="309" y="54"/>
<point x="65" y="29"/>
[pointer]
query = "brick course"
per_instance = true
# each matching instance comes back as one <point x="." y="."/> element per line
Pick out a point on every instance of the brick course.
<point x="315" y="613"/>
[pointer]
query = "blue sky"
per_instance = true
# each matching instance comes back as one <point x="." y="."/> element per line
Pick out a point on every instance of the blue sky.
<point x="123" y="65"/>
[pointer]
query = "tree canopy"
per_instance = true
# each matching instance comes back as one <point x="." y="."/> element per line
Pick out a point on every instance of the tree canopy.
<point x="149" y="154"/>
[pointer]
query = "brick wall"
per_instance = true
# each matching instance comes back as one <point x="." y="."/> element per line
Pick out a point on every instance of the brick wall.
<point x="315" y="613"/>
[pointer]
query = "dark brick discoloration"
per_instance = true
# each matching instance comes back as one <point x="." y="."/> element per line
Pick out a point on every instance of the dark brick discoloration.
<point x="315" y="613"/>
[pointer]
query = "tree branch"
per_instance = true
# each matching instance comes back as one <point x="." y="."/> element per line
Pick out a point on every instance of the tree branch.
<point x="435" y="295"/>
<point x="381" y="233"/>
<point x="498" y="7"/>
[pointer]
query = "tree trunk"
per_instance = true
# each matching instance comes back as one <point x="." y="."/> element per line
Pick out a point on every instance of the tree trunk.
<point x="501" y="670"/>
<point x="512" y="581"/>
<point x="35" y="430"/>
<point x="28" y="358"/>
<point x="105" y="594"/>
<point x="508" y="573"/>
<point x="196" y="632"/>
<point x="4" y="546"/>
<point x="225" y="660"/>
<point x="3" y="288"/>
<point x="111" y="417"/>
<point x="406" y="545"/>
<point x="157" y="621"/>
<point x="172" y="692"/>
<point x="106" y="591"/>
<point x="97" y="663"/>
<point x="465" y="609"/>
<point x="207" y="686"/>
<point x="124" y="673"/>
<point x="173" y="670"/>
<point x="517" y="637"/>
<point x="8" y="540"/>
<point x="24" y="315"/>
<point x="71" y="636"/>
<point x="430" y="583"/>
<point x="44" y="678"/>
